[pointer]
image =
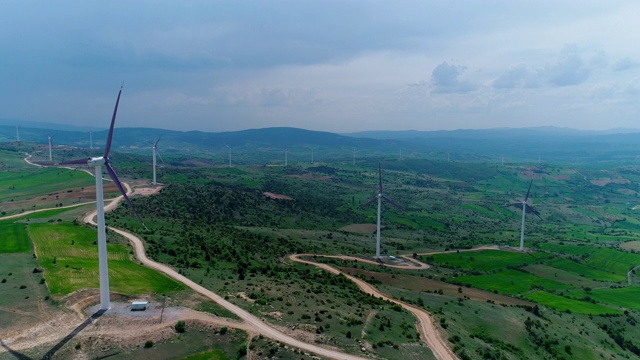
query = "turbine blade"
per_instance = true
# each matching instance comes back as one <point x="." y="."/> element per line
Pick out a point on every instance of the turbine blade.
<point x="370" y="201"/>
<point x="514" y="204"/>
<point x="107" y="148"/>
<point x="158" y="153"/>
<point x="115" y="179"/>
<point x="532" y="210"/>
<point x="391" y="202"/>
<point x="528" y="191"/>
<point x="156" y="143"/>
<point x="75" y="162"/>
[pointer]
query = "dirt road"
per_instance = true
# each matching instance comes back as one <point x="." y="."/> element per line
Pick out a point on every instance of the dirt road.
<point x="428" y="331"/>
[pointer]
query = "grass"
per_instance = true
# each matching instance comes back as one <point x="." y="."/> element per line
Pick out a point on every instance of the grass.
<point x="14" y="238"/>
<point x="509" y="282"/>
<point x="487" y="260"/>
<point x="70" y="259"/>
<point x="28" y="183"/>
<point x="565" y="277"/>
<point x="22" y="300"/>
<point x="626" y="297"/>
<point x="563" y="304"/>
<point x="585" y="271"/>
<point x="613" y="260"/>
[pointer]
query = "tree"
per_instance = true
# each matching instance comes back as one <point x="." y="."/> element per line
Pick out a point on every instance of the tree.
<point x="180" y="326"/>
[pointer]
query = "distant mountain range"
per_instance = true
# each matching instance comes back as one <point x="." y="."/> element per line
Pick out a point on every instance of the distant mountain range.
<point x="546" y="144"/>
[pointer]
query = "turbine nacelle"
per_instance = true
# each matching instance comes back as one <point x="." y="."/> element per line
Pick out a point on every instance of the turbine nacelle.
<point x="96" y="161"/>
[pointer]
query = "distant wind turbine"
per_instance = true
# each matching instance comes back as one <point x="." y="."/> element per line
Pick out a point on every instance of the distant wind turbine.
<point x="18" y="133"/>
<point x="229" y="147"/>
<point x="286" y="153"/>
<point x="312" y="150"/>
<point x="525" y="208"/>
<point x="98" y="162"/>
<point x="90" y="140"/>
<point x="49" y="137"/>
<point x="379" y="197"/>
<point x="154" y="150"/>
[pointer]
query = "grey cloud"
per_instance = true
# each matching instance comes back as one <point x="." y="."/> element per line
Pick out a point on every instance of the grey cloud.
<point x="625" y="64"/>
<point x="518" y="76"/>
<point x="445" y="79"/>
<point x="570" y="69"/>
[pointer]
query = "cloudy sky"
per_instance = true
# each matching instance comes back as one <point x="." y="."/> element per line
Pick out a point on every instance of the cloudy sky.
<point x="337" y="66"/>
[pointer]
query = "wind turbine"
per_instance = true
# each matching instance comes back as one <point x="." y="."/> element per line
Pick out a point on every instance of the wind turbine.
<point x="379" y="197"/>
<point x="90" y="140"/>
<point x="50" y="137"/>
<point x="154" y="149"/>
<point x="18" y="133"/>
<point x="98" y="162"/>
<point x="229" y="147"/>
<point x="286" y="153"/>
<point x="312" y="150"/>
<point x="525" y="207"/>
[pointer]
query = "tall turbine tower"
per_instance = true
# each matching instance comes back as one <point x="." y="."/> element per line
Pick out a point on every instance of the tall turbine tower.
<point x="312" y="150"/>
<point x="18" y="133"/>
<point x="525" y="208"/>
<point x="50" y="137"/>
<point x="90" y="140"/>
<point x="154" y="149"/>
<point x="229" y="147"/>
<point x="379" y="197"/>
<point x="98" y="162"/>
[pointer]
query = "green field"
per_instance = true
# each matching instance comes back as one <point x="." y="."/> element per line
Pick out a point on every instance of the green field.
<point x="13" y="239"/>
<point x="626" y="297"/>
<point x="487" y="260"/>
<point x="70" y="259"/>
<point x="559" y="275"/>
<point x="28" y="183"/>
<point x="509" y="282"/>
<point x="613" y="260"/>
<point x="585" y="271"/>
<point x="563" y="304"/>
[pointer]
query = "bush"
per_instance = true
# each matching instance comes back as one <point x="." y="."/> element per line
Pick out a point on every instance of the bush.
<point x="148" y="344"/>
<point x="78" y="346"/>
<point x="180" y="326"/>
<point x="23" y="286"/>
<point x="223" y="330"/>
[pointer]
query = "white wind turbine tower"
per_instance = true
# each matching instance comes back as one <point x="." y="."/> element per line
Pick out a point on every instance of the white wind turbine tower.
<point x="379" y="197"/>
<point x="286" y="153"/>
<point x="154" y="149"/>
<point x="90" y="140"/>
<point x="18" y="133"/>
<point x="312" y="150"/>
<point x="525" y="208"/>
<point x="98" y="162"/>
<point x="229" y="147"/>
<point x="49" y="137"/>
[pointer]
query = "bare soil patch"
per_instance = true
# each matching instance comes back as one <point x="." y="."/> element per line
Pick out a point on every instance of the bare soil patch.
<point x="605" y="181"/>
<point x="631" y="245"/>
<point x="271" y="195"/>
<point x="359" y="228"/>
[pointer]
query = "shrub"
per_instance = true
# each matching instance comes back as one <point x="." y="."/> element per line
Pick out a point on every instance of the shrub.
<point x="148" y="344"/>
<point x="180" y="326"/>
<point x="223" y="330"/>
<point x="23" y="286"/>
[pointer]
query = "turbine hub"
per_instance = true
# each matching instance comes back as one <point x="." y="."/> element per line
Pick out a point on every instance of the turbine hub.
<point x="97" y="161"/>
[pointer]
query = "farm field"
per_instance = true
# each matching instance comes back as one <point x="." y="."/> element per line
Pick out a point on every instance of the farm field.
<point x="14" y="238"/>
<point x="585" y="271"/>
<point x="509" y="282"/>
<point x="70" y="261"/>
<point x="626" y="298"/>
<point x="487" y="260"/>
<point x="563" y="304"/>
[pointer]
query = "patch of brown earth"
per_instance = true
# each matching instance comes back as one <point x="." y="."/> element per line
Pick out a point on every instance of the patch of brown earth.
<point x="359" y="228"/>
<point x="271" y="195"/>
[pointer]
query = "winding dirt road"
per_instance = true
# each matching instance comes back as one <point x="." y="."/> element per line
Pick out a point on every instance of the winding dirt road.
<point x="428" y="331"/>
